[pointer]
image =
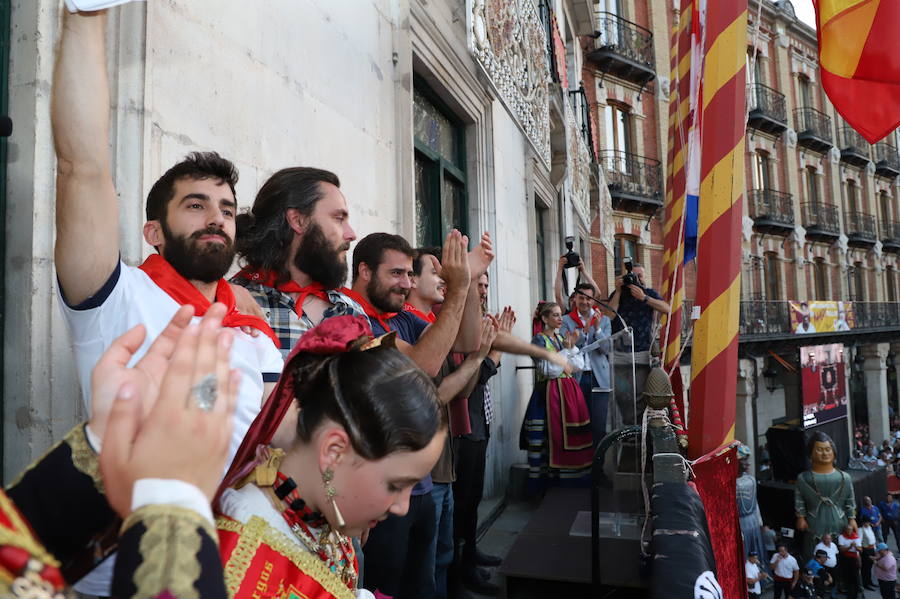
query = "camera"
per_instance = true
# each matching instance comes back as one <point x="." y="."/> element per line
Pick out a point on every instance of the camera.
<point x="630" y="278"/>
<point x="572" y="257"/>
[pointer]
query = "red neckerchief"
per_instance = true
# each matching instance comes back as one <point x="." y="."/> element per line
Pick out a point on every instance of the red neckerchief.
<point x="268" y="278"/>
<point x="576" y="317"/>
<point x="430" y="317"/>
<point x="369" y="309"/>
<point x="182" y="291"/>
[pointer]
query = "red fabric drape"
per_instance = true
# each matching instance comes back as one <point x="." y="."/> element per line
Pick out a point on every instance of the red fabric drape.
<point x="716" y="479"/>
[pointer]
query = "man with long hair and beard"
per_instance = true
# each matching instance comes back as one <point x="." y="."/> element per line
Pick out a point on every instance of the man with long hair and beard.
<point x="190" y="222"/>
<point x="293" y="246"/>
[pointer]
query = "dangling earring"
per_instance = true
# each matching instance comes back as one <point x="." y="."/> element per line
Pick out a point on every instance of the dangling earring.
<point x="330" y="492"/>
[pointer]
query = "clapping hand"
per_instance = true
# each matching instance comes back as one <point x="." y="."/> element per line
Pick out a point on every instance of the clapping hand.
<point x="506" y="319"/>
<point x="186" y="431"/>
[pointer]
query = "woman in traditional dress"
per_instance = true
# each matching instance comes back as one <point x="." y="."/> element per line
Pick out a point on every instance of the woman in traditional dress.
<point x="366" y="431"/>
<point x="557" y="426"/>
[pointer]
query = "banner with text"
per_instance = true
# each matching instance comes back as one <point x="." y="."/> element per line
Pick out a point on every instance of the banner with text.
<point x="821" y="317"/>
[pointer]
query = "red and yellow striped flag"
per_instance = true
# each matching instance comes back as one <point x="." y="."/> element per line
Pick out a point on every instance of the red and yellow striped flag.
<point x="714" y="356"/>
<point x="674" y="209"/>
<point x="860" y="63"/>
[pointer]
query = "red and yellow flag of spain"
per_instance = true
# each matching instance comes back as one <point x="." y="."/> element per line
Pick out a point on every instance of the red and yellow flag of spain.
<point x="860" y="62"/>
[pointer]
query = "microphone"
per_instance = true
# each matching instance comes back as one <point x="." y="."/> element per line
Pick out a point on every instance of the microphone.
<point x="596" y="301"/>
<point x="6" y="126"/>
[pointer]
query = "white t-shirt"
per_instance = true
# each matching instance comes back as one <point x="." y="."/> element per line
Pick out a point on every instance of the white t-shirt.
<point x="129" y="298"/>
<point x="752" y="572"/>
<point x="784" y="566"/>
<point x="831" y="550"/>
<point x="852" y="545"/>
<point x="866" y="536"/>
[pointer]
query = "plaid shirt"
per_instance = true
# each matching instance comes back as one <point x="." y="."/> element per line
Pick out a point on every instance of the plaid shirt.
<point x="279" y="311"/>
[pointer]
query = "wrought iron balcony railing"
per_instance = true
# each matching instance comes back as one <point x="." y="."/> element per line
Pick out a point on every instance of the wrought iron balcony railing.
<point x="635" y="182"/>
<point x="887" y="160"/>
<point x="813" y="129"/>
<point x="624" y="49"/>
<point x="820" y="219"/>
<point x="626" y="38"/>
<point x="854" y="147"/>
<point x="890" y="235"/>
<point x="861" y="227"/>
<point x="771" y="210"/>
<point x="774" y="317"/>
<point x="766" y="108"/>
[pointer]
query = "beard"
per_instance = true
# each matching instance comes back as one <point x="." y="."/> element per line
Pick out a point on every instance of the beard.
<point x="386" y="299"/>
<point x="197" y="260"/>
<point x="319" y="260"/>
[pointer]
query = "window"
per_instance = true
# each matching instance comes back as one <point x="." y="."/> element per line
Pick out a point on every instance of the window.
<point x="762" y="177"/>
<point x="805" y="92"/>
<point x="884" y="201"/>
<point x="812" y="186"/>
<point x="820" y="279"/>
<point x="541" y="244"/>
<point x="770" y="277"/>
<point x="625" y="247"/>
<point x="890" y="283"/>
<point x="857" y="283"/>
<point x="440" y="169"/>
<point x="618" y="128"/>
<point x="852" y="196"/>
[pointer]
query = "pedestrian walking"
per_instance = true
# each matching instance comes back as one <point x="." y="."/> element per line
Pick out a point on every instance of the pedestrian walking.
<point x="885" y="571"/>
<point x="787" y="571"/>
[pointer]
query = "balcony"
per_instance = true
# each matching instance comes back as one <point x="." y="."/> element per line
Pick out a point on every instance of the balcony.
<point x="887" y="161"/>
<point x="813" y="129"/>
<point x="820" y="221"/>
<point x="764" y="318"/>
<point x="635" y="182"/>
<point x="890" y="236"/>
<point x="766" y="109"/>
<point x="772" y="211"/>
<point x="761" y="320"/>
<point x="854" y="147"/>
<point x="860" y="229"/>
<point x="623" y="49"/>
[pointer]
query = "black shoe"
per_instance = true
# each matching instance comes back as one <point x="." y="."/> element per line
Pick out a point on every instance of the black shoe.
<point x="472" y="580"/>
<point x="485" y="559"/>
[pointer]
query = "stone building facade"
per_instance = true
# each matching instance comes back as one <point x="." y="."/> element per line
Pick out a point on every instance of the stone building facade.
<point x="433" y="113"/>
<point x="821" y="208"/>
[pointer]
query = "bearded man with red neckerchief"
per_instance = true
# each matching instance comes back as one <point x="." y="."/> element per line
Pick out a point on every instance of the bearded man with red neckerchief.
<point x="191" y="213"/>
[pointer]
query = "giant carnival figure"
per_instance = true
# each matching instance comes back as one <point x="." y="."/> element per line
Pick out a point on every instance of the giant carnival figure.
<point x="823" y="498"/>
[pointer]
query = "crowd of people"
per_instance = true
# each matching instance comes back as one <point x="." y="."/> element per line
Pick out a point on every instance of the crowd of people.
<point x="857" y="560"/>
<point x="351" y="423"/>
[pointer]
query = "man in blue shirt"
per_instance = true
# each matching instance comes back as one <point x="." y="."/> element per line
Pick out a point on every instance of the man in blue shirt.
<point x="874" y="515"/>
<point x="890" y="514"/>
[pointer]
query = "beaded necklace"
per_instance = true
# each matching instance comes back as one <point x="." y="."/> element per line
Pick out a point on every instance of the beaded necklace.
<point x="333" y="548"/>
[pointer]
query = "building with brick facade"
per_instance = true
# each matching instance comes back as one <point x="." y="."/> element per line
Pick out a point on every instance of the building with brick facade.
<point x="821" y="209"/>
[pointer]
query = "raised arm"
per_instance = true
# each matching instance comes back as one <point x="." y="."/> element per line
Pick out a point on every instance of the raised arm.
<point x="558" y="284"/>
<point x="586" y="275"/>
<point x="480" y="259"/>
<point x="433" y="346"/>
<point x="87" y="215"/>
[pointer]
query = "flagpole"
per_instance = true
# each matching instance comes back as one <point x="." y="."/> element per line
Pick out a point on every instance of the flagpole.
<point x="714" y="356"/>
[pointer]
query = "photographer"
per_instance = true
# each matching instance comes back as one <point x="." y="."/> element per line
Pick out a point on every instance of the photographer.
<point x="637" y="304"/>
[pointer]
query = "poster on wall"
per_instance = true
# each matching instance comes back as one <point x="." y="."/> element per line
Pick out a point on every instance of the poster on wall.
<point x="823" y="384"/>
<point x="821" y="317"/>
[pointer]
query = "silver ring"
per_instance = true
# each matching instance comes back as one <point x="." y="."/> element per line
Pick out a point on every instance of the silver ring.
<point x="205" y="392"/>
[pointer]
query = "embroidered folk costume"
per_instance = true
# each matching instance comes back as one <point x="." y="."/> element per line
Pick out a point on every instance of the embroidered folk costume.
<point x="163" y="551"/>
<point x="557" y="427"/>
<point x="271" y="543"/>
